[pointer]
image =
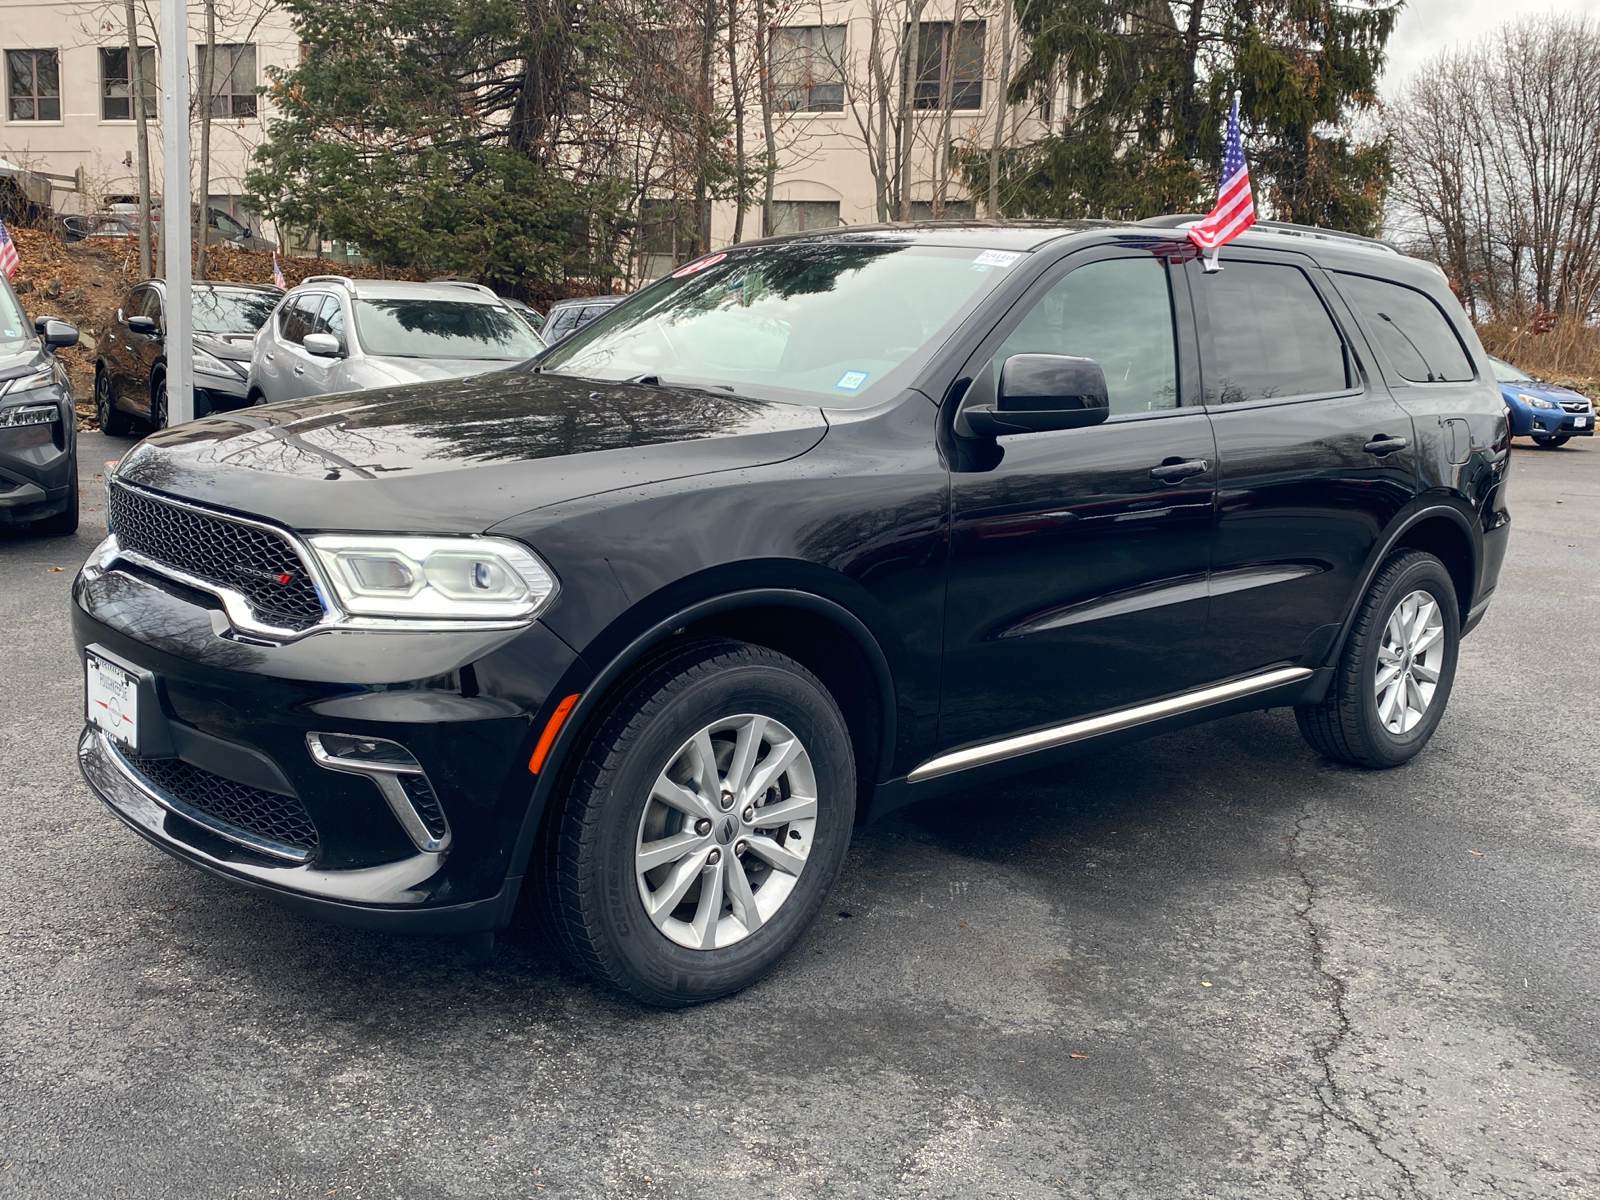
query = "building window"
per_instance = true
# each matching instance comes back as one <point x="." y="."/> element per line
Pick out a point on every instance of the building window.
<point x="116" y="88"/>
<point x="808" y="68"/>
<point x="954" y="210"/>
<point x="233" y="83"/>
<point x="949" y="65"/>
<point x="798" y="216"/>
<point x="33" y="85"/>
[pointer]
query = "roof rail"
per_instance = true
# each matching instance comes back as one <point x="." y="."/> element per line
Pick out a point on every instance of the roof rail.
<point x="344" y="279"/>
<point x="1281" y="228"/>
<point x="467" y="283"/>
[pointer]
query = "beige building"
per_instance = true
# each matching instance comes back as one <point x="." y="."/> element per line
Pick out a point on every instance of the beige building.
<point x="69" y="105"/>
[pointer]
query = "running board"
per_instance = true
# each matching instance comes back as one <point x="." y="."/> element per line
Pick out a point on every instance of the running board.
<point x="1125" y="718"/>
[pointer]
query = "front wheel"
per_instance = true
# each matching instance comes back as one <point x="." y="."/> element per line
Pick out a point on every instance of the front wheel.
<point x="1551" y="443"/>
<point x="1394" y="677"/>
<point x="704" y="825"/>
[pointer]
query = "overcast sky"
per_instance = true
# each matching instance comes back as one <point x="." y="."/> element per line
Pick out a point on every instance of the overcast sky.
<point x="1429" y="26"/>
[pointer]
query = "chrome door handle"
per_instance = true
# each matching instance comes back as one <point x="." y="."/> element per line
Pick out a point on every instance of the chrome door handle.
<point x="1177" y="472"/>
<point x="1385" y="444"/>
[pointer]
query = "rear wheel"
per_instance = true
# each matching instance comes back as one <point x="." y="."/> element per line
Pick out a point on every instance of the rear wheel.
<point x="1394" y="677"/>
<point x="1549" y="442"/>
<point x="113" y="422"/>
<point x="703" y="826"/>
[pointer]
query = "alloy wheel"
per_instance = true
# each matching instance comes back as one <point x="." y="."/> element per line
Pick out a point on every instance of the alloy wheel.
<point x="726" y="831"/>
<point x="1410" y="659"/>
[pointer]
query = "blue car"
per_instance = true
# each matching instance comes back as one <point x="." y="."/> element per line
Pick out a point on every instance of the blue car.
<point x="1549" y="415"/>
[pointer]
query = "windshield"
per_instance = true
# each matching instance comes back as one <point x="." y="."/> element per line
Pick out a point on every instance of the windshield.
<point x="1506" y="373"/>
<point x="231" y="312"/>
<point x="843" y="323"/>
<point x="443" y="329"/>
<point x="15" y="328"/>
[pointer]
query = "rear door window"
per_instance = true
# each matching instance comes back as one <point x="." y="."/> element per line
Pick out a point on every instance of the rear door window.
<point x="1271" y="336"/>
<point x="1414" y="332"/>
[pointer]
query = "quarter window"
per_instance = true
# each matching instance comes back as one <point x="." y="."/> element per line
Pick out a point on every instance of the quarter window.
<point x="1118" y="312"/>
<point x="33" y="85"/>
<point x="1271" y="336"/>
<point x="1415" y="335"/>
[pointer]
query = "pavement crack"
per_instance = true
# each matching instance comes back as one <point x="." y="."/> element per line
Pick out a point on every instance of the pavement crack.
<point x="1330" y="1095"/>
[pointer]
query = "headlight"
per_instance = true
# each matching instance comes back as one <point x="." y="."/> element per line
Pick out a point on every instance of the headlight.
<point x="12" y="389"/>
<point x="29" y="414"/>
<point x="1536" y="401"/>
<point x="430" y="578"/>
<point x="209" y="364"/>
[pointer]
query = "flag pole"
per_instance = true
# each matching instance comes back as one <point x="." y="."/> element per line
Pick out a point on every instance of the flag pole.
<point x="175" y="215"/>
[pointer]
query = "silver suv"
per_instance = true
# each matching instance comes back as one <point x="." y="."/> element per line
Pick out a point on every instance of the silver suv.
<point x="334" y="334"/>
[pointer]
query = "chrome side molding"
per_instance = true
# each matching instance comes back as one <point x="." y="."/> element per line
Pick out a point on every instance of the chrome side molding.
<point x="1124" y="718"/>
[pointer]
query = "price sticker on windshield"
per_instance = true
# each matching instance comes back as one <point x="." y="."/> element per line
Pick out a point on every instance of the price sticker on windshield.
<point x="699" y="264"/>
<point x="995" y="258"/>
<point x="851" y="381"/>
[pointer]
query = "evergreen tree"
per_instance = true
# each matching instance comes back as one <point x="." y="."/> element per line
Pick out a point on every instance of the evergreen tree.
<point x="1154" y="81"/>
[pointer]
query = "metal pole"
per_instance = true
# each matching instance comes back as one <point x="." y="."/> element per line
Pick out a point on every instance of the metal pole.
<point x="175" y="218"/>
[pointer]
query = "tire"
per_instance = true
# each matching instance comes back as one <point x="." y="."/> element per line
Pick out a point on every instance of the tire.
<point x="1551" y="443"/>
<point x="65" y="523"/>
<point x="113" y="421"/>
<point x="158" y="403"/>
<point x="1348" y="725"/>
<point x="596" y="893"/>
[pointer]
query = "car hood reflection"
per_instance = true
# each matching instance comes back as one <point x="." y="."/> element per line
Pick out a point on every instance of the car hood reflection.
<point x="393" y="458"/>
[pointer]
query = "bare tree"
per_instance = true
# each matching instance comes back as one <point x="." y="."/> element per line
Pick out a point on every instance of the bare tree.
<point x="1498" y="162"/>
<point x="208" y="83"/>
<point x="141" y="137"/>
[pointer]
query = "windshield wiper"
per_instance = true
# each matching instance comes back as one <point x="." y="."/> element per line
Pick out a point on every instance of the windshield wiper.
<point x="650" y="380"/>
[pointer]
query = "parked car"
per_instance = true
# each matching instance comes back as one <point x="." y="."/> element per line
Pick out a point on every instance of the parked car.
<point x="130" y="370"/>
<point x="38" y="423"/>
<point x="807" y="531"/>
<point x="1552" y="416"/>
<point x="531" y="315"/>
<point x="566" y="317"/>
<point x="121" y="220"/>
<point x="333" y="334"/>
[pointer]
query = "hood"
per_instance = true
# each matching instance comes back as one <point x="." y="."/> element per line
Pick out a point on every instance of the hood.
<point x="460" y="456"/>
<point x="234" y="346"/>
<point x="25" y="361"/>
<point x="423" y="370"/>
<point x="1548" y="391"/>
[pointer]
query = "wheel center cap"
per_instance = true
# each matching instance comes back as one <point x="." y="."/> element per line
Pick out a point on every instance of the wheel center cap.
<point x="725" y="830"/>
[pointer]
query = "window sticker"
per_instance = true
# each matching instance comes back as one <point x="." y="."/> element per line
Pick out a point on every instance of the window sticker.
<point x="699" y="264"/>
<point x="996" y="258"/>
<point x="852" y="380"/>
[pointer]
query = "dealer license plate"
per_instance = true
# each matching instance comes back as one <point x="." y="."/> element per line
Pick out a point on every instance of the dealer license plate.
<point x="1580" y="422"/>
<point x="111" y="700"/>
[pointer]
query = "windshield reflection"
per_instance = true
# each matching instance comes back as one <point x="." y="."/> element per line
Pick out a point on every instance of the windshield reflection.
<point x="443" y="329"/>
<point x="840" y="320"/>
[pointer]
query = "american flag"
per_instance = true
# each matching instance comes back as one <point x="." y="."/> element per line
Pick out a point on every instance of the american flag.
<point x="1236" y="207"/>
<point x="8" y="253"/>
<point x="277" y="272"/>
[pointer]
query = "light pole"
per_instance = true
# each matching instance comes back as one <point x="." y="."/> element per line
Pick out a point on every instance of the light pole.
<point x="175" y="220"/>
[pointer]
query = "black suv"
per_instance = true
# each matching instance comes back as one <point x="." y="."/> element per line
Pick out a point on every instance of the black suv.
<point x="810" y="529"/>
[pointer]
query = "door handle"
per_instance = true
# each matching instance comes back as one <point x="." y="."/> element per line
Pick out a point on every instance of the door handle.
<point x="268" y="356"/>
<point x="1179" y="470"/>
<point x="1384" y="444"/>
<point x="299" y="370"/>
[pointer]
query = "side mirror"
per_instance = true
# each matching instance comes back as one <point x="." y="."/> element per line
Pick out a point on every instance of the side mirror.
<point x="1043" y="392"/>
<point x="58" y="334"/>
<point x="323" y="345"/>
<point x="144" y="325"/>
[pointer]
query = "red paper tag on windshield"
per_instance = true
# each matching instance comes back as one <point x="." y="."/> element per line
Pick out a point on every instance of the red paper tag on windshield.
<point x="699" y="264"/>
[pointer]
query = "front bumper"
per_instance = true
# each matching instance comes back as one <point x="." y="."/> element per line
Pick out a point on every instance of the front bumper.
<point x="214" y="393"/>
<point x="239" y="712"/>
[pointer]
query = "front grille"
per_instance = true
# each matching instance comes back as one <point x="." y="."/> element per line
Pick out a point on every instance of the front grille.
<point x="1575" y="406"/>
<point x="267" y="815"/>
<point x="261" y="565"/>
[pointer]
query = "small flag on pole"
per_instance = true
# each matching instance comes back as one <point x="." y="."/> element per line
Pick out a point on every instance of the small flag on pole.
<point x="277" y="272"/>
<point x="9" y="262"/>
<point x="1236" y="207"/>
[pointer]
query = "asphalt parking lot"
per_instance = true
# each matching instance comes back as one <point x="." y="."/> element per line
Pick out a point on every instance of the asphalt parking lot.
<point x="1210" y="965"/>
